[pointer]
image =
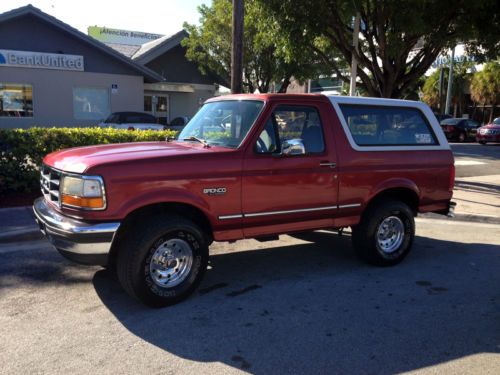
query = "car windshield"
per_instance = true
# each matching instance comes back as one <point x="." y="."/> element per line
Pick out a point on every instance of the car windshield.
<point x="224" y="123"/>
<point x="451" y="121"/>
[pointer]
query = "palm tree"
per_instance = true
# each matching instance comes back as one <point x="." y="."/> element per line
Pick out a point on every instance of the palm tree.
<point x="485" y="86"/>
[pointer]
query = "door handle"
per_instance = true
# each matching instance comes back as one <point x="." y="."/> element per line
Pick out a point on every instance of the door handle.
<point x="327" y="164"/>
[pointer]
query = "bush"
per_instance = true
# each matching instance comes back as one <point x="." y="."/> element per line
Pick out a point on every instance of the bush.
<point x="22" y="150"/>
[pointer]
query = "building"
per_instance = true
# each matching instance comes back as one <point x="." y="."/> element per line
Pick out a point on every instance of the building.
<point x="54" y="75"/>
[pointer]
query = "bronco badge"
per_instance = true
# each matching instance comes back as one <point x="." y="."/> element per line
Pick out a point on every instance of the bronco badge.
<point x="215" y="191"/>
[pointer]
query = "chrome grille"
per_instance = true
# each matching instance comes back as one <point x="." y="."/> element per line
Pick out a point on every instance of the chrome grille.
<point x="49" y="183"/>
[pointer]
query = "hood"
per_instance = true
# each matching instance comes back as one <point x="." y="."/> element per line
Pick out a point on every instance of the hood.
<point x="491" y="126"/>
<point x="80" y="159"/>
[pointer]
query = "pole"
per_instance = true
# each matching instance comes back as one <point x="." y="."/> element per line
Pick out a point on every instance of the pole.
<point x="237" y="48"/>
<point x="450" y="83"/>
<point x="441" y="81"/>
<point x="354" y="62"/>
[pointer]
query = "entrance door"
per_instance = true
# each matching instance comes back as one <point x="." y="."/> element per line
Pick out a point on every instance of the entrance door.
<point x="157" y="105"/>
<point x="286" y="187"/>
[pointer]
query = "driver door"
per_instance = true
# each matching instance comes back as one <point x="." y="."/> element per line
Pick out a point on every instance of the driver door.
<point x="283" y="188"/>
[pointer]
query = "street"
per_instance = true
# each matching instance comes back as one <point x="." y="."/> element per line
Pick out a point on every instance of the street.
<point x="473" y="159"/>
<point x="304" y="304"/>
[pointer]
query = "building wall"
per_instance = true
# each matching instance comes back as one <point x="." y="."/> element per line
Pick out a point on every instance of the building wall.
<point x="53" y="94"/>
<point x="187" y="104"/>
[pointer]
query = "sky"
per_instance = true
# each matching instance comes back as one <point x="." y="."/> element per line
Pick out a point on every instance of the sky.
<point x="153" y="16"/>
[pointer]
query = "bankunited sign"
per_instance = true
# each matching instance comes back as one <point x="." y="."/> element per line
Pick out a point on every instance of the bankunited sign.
<point x="26" y="59"/>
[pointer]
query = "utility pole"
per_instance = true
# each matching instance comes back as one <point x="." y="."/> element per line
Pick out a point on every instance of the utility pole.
<point x="441" y="84"/>
<point x="237" y="48"/>
<point x="354" y="62"/>
<point x="450" y="83"/>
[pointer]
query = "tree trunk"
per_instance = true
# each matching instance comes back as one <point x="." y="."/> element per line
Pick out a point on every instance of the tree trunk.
<point x="284" y="85"/>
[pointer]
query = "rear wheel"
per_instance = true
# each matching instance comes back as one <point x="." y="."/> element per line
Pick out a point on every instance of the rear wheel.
<point x="482" y="142"/>
<point x="385" y="234"/>
<point x="162" y="260"/>
<point x="462" y="137"/>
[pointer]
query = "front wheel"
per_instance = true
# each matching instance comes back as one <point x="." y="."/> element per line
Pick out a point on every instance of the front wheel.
<point x="482" y="142"/>
<point x="385" y="234"/>
<point x="162" y="260"/>
<point x="462" y="137"/>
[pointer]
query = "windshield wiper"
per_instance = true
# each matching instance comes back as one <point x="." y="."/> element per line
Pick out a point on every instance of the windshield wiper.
<point x="193" y="138"/>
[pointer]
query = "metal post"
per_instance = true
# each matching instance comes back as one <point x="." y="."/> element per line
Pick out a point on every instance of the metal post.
<point x="354" y="62"/>
<point x="450" y="83"/>
<point x="237" y="48"/>
<point x="441" y="81"/>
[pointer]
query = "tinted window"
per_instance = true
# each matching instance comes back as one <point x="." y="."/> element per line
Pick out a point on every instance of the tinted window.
<point x="292" y="122"/>
<point x="140" y="119"/>
<point x="388" y="126"/>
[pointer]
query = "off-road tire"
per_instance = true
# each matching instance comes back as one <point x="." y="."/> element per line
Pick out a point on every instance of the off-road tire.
<point x="136" y="251"/>
<point x="364" y="235"/>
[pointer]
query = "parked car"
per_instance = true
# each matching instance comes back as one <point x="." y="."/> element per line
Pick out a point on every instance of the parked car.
<point x="151" y="210"/>
<point x="489" y="132"/>
<point x="132" y="121"/>
<point x="460" y="129"/>
<point x="178" y="123"/>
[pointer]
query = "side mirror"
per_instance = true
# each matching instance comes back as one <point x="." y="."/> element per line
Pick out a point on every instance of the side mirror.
<point x="293" y="147"/>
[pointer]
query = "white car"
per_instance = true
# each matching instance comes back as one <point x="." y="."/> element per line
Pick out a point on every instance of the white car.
<point x="131" y="121"/>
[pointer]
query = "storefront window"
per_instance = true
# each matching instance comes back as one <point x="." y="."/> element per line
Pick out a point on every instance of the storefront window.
<point x="16" y="100"/>
<point x="90" y="103"/>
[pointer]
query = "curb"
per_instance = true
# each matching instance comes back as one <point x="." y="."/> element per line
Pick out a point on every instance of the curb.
<point x="463" y="217"/>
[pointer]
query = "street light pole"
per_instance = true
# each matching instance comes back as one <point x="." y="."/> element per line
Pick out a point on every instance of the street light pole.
<point x="450" y="83"/>
<point x="237" y="48"/>
<point x="354" y="62"/>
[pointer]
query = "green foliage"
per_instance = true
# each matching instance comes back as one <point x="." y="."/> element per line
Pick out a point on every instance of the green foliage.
<point x="269" y="55"/>
<point x="485" y="86"/>
<point x="461" y="80"/>
<point x="22" y="150"/>
<point x="399" y="40"/>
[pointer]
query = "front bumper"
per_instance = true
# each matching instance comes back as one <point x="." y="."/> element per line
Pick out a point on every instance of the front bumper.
<point x="79" y="241"/>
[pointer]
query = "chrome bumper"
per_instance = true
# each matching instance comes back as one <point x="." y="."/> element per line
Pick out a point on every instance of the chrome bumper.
<point x="82" y="242"/>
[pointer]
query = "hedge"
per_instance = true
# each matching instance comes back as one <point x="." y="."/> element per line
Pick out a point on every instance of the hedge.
<point x="22" y="150"/>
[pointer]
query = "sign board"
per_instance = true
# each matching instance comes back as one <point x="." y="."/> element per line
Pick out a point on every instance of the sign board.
<point x="114" y="88"/>
<point x="40" y="60"/>
<point x="445" y="60"/>
<point x="133" y="38"/>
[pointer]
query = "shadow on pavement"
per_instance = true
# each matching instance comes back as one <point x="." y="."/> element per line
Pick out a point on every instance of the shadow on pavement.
<point x="314" y="308"/>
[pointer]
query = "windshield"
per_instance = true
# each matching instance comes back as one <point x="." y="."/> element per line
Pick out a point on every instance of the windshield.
<point x="451" y="121"/>
<point x="225" y="123"/>
<point x="497" y="121"/>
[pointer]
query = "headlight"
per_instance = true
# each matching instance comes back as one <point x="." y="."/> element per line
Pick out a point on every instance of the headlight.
<point x="83" y="192"/>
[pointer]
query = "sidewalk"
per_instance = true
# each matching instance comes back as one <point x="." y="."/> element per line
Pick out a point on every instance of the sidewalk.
<point x="477" y="198"/>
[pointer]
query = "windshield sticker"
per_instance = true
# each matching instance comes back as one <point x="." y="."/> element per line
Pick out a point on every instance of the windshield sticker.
<point x="423" y="138"/>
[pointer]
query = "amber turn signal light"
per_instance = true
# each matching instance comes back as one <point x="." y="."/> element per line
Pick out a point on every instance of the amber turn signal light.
<point x="73" y="200"/>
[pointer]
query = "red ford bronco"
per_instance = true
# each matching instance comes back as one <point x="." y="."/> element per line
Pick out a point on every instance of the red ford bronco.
<point x="247" y="166"/>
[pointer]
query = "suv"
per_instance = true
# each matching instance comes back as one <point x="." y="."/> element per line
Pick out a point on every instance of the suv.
<point x="132" y="121"/>
<point x="247" y="166"/>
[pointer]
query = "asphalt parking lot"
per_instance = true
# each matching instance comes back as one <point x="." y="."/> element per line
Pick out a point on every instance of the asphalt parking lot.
<point x="304" y="304"/>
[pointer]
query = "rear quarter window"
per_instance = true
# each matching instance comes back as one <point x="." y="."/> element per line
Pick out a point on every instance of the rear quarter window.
<point x="388" y="126"/>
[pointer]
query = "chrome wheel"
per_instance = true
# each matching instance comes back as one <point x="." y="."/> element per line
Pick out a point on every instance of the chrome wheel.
<point x="171" y="263"/>
<point x="390" y="234"/>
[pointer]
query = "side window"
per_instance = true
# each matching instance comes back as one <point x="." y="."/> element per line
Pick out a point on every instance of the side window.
<point x="387" y="126"/>
<point x="292" y="122"/>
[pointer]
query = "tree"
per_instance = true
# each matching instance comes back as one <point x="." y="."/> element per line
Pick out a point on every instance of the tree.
<point x="268" y="55"/>
<point x="461" y="80"/>
<point x="485" y="86"/>
<point x="400" y="39"/>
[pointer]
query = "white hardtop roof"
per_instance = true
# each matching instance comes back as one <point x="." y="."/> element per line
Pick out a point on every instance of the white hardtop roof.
<point x="370" y="101"/>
